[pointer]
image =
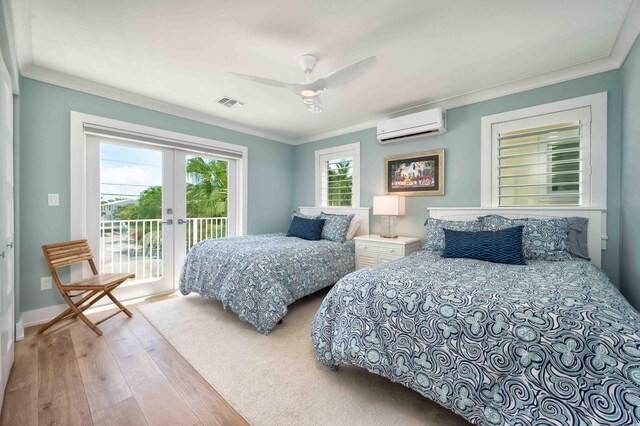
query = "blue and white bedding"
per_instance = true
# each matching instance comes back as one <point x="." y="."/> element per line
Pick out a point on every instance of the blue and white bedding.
<point x="258" y="276"/>
<point x="547" y="343"/>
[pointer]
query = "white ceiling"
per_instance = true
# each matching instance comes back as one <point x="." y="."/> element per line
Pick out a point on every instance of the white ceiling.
<point x="175" y="55"/>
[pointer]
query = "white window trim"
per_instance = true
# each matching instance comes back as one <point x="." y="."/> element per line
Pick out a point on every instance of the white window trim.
<point x="79" y="164"/>
<point x="597" y="156"/>
<point x="355" y="147"/>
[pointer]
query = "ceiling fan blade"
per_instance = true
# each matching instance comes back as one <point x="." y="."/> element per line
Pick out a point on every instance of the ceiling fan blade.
<point x="269" y="82"/>
<point x="348" y="74"/>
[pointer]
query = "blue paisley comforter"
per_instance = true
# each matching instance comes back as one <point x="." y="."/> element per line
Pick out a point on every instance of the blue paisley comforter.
<point x="548" y="343"/>
<point x="258" y="276"/>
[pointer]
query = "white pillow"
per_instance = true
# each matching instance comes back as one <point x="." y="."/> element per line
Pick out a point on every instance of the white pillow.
<point x="353" y="228"/>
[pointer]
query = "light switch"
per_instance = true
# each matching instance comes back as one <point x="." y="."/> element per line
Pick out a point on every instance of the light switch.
<point x="54" y="200"/>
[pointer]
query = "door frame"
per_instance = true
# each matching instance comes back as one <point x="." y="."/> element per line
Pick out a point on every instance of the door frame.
<point x="78" y="169"/>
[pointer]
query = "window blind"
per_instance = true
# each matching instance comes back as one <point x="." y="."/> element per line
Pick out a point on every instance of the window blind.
<point x="541" y="165"/>
<point x="96" y="130"/>
<point x="337" y="178"/>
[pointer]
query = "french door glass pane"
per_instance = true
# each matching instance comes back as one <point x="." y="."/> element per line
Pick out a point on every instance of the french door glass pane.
<point x="207" y="199"/>
<point x="131" y="211"/>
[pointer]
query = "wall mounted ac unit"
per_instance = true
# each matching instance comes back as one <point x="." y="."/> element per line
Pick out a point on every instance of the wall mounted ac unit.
<point x="425" y="123"/>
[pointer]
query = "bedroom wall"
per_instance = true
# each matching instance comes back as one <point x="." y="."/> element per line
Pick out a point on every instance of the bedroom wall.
<point x="630" y="211"/>
<point x="462" y="144"/>
<point x="44" y="168"/>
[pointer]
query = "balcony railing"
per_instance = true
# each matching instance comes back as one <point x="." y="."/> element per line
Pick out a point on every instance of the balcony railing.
<point x="135" y="246"/>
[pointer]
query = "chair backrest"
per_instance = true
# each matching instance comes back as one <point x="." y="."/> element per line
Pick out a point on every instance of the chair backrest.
<point x="64" y="254"/>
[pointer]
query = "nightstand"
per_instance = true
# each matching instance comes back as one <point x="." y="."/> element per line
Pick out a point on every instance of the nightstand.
<point x="374" y="249"/>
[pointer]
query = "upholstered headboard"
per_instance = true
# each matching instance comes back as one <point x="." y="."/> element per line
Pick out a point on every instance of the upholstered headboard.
<point x="361" y="213"/>
<point x="597" y="230"/>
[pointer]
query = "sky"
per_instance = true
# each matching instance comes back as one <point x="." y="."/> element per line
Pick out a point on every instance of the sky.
<point x="126" y="171"/>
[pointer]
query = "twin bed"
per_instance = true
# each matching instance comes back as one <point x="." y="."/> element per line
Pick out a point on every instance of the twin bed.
<point x="257" y="277"/>
<point x="550" y="342"/>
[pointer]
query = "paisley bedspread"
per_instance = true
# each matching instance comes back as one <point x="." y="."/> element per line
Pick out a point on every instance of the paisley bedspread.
<point x="547" y="343"/>
<point x="258" y="276"/>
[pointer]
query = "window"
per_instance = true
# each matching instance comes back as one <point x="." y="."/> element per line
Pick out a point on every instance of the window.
<point x="545" y="156"/>
<point x="338" y="176"/>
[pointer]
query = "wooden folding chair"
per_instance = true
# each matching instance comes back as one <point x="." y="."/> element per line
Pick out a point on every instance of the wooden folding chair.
<point x="89" y="290"/>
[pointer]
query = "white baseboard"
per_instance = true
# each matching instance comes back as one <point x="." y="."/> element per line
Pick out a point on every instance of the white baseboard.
<point x="42" y="315"/>
<point x="19" y="331"/>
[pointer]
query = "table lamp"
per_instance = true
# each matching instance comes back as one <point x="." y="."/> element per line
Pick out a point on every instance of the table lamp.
<point x="389" y="207"/>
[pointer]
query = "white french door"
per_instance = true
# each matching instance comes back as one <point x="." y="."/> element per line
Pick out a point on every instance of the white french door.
<point x="148" y="204"/>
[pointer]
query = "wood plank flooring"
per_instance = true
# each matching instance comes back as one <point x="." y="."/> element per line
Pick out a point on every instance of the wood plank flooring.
<point x="129" y="376"/>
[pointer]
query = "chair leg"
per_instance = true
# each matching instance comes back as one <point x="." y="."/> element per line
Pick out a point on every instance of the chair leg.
<point x="55" y="320"/>
<point x="89" y="323"/>
<point x="68" y="313"/>
<point x="82" y="316"/>
<point x="118" y="304"/>
<point x="81" y="301"/>
<point x="90" y="304"/>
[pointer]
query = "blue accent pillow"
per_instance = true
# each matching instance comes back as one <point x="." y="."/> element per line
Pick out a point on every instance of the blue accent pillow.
<point x="435" y="234"/>
<point x="307" y="229"/>
<point x="504" y="246"/>
<point x="542" y="239"/>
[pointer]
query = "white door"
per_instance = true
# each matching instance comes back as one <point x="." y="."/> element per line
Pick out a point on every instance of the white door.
<point x="7" y="318"/>
<point x="148" y="204"/>
<point x="205" y="201"/>
<point x="129" y="192"/>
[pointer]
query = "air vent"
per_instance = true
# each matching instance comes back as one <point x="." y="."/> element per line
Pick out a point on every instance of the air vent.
<point x="230" y="102"/>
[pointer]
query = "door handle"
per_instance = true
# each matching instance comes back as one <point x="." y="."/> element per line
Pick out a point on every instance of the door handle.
<point x="168" y="222"/>
<point x="2" y="255"/>
<point x="181" y="221"/>
<point x="10" y="245"/>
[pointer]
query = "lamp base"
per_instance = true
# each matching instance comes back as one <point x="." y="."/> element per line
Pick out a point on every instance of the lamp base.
<point x="388" y="227"/>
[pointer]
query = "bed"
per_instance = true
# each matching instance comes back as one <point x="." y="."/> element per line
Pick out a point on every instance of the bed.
<point x="546" y="343"/>
<point x="258" y="276"/>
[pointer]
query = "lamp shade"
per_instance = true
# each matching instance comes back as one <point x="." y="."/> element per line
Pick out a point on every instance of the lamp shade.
<point x="388" y="205"/>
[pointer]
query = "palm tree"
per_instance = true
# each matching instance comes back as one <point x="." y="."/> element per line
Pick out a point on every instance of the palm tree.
<point x="207" y="187"/>
<point x="339" y="183"/>
<point x="206" y="197"/>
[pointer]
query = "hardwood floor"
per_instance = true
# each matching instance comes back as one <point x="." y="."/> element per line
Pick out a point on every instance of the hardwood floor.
<point x="129" y="376"/>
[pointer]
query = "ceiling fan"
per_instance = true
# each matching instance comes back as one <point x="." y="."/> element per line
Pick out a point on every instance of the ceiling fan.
<point x="310" y="90"/>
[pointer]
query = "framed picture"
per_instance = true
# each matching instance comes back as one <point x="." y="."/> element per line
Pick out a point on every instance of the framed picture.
<point x="414" y="175"/>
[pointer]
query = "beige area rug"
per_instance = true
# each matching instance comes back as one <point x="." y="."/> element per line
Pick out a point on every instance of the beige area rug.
<point x="276" y="379"/>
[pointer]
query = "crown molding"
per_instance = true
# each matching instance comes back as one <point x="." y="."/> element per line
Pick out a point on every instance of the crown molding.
<point x="12" y="65"/>
<point x="628" y="33"/>
<point x="68" y="81"/>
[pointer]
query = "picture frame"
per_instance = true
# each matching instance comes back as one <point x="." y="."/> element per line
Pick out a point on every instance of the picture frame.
<point x="415" y="175"/>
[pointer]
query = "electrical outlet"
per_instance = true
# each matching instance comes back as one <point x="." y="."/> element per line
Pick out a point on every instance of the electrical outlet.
<point x="45" y="283"/>
<point x="53" y="200"/>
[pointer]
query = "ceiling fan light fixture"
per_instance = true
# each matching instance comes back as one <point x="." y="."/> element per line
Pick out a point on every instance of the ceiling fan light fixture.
<point x="313" y="105"/>
<point x="315" y="108"/>
<point x="308" y="93"/>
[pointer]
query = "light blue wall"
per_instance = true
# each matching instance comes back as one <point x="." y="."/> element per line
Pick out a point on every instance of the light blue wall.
<point x="462" y="157"/>
<point x="44" y="168"/>
<point x="630" y="231"/>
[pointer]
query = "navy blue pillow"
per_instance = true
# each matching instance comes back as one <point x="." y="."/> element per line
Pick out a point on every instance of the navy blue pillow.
<point x="504" y="246"/>
<point x="307" y="229"/>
